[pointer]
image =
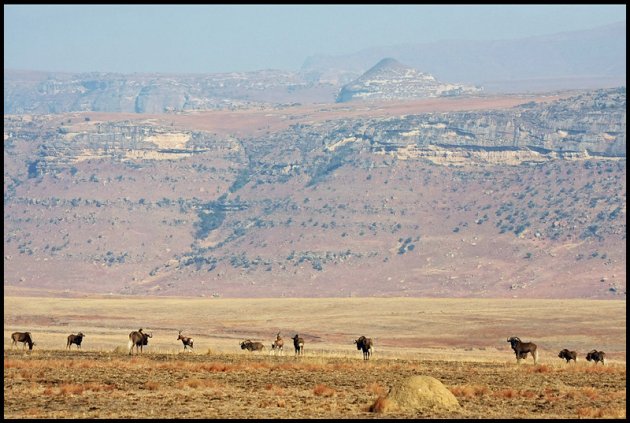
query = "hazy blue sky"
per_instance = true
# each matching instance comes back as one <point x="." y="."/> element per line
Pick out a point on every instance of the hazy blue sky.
<point x="224" y="38"/>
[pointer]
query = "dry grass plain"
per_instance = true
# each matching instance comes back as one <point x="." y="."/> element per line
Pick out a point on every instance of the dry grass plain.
<point x="461" y="342"/>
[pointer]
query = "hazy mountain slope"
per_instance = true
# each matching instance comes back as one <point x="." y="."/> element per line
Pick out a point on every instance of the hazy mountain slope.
<point x="577" y="59"/>
<point x="391" y="80"/>
<point x="528" y="201"/>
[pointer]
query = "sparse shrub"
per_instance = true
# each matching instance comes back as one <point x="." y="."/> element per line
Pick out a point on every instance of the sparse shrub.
<point x="381" y="405"/>
<point x="71" y="389"/>
<point x="323" y="390"/>
<point x="151" y="386"/>
<point x="590" y="393"/>
<point x="609" y="412"/>
<point x="469" y="391"/>
<point x="540" y="368"/>
<point x="275" y="389"/>
<point x="507" y="393"/>
<point x="375" y="388"/>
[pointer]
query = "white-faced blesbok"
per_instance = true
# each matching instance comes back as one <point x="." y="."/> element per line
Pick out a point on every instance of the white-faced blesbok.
<point x="138" y="338"/>
<point x="75" y="339"/>
<point x="188" y="342"/>
<point x="298" y="343"/>
<point x="24" y="338"/>
<point x="521" y="349"/>
<point x="278" y="345"/>
<point x="366" y="345"/>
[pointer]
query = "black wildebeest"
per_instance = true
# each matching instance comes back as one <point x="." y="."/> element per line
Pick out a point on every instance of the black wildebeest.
<point x="298" y="343"/>
<point x="138" y="338"/>
<point x="568" y="355"/>
<point x="364" y="344"/>
<point x="596" y="356"/>
<point x="278" y="345"/>
<point x="75" y="339"/>
<point x="24" y="338"/>
<point x="188" y="342"/>
<point x="522" y="348"/>
<point x="252" y="346"/>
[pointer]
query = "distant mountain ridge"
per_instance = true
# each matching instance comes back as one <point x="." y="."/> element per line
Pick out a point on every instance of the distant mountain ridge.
<point x="594" y="58"/>
<point x="391" y="80"/>
<point x="572" y="60"/>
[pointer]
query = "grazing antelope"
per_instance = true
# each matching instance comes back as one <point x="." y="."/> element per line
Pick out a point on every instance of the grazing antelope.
<point x="298" y="343"/>
<point x="364" y="344"/>
<point x="188" y="342"/>
<point x="137" y="338"/>
<point x="277" y="346"/>
<point x="24" y="338"/>
<point x="75" y="339"/>
<point x="522" y="348"/>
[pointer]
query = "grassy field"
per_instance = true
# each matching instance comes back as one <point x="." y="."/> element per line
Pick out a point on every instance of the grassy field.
<point x="460" y="342"/>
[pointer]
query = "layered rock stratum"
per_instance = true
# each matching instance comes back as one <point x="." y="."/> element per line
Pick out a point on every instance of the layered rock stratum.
<point x="436" y="198"/>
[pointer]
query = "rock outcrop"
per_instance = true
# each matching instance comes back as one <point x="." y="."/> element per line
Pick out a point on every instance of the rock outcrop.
<point x="418" y="393"/>
<point x="391" y="80"/>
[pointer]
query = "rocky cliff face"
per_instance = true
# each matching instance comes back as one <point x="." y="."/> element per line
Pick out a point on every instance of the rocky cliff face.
<point x="590" y="124"/>
<point x="391" y="80"/>
<point x="418" y="205"/>
<point x="39" y="92"/>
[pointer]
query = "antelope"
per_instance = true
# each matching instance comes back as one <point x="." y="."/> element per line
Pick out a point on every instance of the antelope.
<point x="75" y="339"/>
<point x="364" y="344"/>
<point x="278" y="345"/>
<point x="522" y="348"/>
<point x="252" y="346"/>
<point x="298" y="343"/>
<point x="24" y="338"/>
<point x="568" y="355"/>
<point x="138" y="339"/>
<point x="596" y="356"/>
<point x="188" y="342"/>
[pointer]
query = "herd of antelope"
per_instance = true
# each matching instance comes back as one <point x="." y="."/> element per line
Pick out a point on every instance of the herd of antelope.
<point x="139" y="339"/>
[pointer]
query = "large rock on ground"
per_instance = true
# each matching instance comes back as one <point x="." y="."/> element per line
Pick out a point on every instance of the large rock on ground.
<point x="420" y="393"/>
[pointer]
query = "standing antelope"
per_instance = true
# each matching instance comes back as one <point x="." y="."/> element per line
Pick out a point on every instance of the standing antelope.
<point x="75" y="339"/>
<point x="277" y="345"/>
<point x="137" y="338"/>
<point x="522" y="348"/>
<point x="188" y="342"/>
<point x="366" y="345"/>
<point x="298" y="343"/>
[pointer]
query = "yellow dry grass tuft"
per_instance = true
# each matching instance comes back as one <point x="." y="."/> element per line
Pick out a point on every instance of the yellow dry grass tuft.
<point x="608" y="412"/>
<point x="275" y="389"/>
<point x="540" y="368"/>
<point x="323" y="390"/>
<point x="508" y="393"/>
<point x="469" y="391"/>
<point x="151" y="386"/>
<point x="381" y="405"/>
<point x="376" y="388"/>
